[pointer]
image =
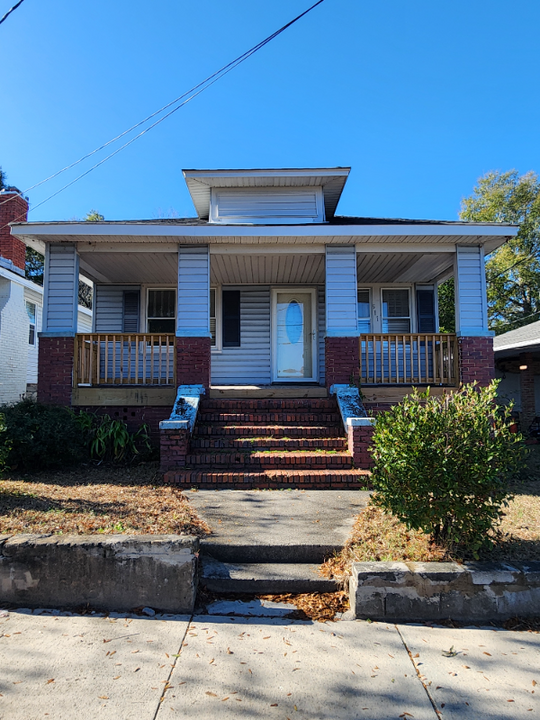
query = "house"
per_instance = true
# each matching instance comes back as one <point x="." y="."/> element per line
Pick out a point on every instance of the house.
<point x="517" y="364"/>
<point x="21" y="308"/>
<point x="267" y="300"/>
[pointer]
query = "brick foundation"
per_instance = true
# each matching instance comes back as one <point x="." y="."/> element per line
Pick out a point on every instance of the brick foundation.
<point x="55" y="370"/>
<point x="193" y="361"/>
<point x="173" y="448"/>
<point x="476" y="360"/>
<point x="526" y="381"/>
<point x="342" y="360"/>
<point x="13" y="208"/>
<point x="359" y="440"/>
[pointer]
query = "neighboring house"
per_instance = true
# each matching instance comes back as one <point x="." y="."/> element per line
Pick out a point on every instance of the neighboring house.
<point x="21" y="309"/>
<point x="266" y="293"/>
<point x="517" y="364"/>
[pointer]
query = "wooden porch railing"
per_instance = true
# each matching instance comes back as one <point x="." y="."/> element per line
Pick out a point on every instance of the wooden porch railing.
<point x="423" y="359"/>
<point x="124" y="359"/>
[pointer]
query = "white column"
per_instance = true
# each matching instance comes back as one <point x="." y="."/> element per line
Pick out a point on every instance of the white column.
<point x="470" y="292"/>
<point x="341" y="291"/>
<point x="193" y="316"/>
<point x="60" y="290"/>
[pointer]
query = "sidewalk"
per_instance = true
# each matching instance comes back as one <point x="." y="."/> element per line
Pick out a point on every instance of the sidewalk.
<point x="69" y="667"/>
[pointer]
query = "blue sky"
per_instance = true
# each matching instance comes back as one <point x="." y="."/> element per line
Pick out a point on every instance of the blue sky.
<point x="420" y="98"/>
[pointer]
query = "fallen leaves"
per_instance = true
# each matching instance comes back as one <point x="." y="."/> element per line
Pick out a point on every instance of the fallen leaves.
<point x="321" y="607"/>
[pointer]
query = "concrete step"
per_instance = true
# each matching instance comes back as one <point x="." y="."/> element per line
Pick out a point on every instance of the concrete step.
<point x="263" y="578"/>
<point x="273" y="460"/>
<point x="275" y="431"/>
<point x="293" y="478"/>
<point x="266" y="418"/>
<point x="268" y="442"/>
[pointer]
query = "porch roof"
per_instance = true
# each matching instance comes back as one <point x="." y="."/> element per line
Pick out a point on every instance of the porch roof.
<point x="193" y="231"/>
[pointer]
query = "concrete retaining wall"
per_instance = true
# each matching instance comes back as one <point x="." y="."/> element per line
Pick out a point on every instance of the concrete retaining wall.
<point x="109" y="572"/>
<point x="397" y="591"/>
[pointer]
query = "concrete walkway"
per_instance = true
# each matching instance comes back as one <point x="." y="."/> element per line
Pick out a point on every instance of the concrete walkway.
<point x="68" y="667"/>
<point x="297" y="519"/>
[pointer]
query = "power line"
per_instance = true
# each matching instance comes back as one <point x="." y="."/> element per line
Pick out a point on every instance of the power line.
<point x="11" y="10"/>
<point x="192" y="93"/>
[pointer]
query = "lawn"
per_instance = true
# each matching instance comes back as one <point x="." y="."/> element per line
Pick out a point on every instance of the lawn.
<point x="91" y="500"/>
<point x="378" y="536"/>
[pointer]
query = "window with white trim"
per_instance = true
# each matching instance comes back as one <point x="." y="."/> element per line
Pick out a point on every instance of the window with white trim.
<point x="364" y="311"/>
<point x="396" y="312"/>
<point x="161" y="311"/>
<point x="215" y="318"/>
<point x="31" y="312"/>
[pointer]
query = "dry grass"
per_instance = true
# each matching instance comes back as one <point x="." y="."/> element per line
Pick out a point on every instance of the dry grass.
<point x="89" y="500"/>
<point x="377" y="536"/>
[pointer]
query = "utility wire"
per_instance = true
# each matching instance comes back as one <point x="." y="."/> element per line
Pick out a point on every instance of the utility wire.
<point x="200" y="87"/>
<point x="10" y="11"/>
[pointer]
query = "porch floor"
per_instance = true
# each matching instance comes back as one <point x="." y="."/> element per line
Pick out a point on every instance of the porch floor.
<point x="268" y="391"/>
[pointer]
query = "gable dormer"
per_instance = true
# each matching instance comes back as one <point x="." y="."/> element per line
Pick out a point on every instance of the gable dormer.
<point x="265" y="197"/>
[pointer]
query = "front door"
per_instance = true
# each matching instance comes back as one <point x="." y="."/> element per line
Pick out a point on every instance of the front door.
<point x="294" y="339"/>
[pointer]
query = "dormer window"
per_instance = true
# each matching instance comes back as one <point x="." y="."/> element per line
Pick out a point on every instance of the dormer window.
<point x="267" y="205"/>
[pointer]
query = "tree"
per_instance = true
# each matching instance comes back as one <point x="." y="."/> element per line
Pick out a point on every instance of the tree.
<point x="94" y="216"/>
<point x="512" y="271"/>
<point x="3" y="179"/>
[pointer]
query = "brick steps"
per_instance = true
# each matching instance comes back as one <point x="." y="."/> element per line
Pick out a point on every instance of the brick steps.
<point x="276" y="431"/>
<point x="264" y="418"/>
<point x="302" y="459"/>
<point x="268" y="442"/>
<point x="270" y="479"/>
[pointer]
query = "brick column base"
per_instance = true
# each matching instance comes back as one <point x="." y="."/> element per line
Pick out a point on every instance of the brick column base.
<point x="476" y="360"/>
<point x="55" y="370"/>
<point x="359" y="440"/>
<point x="342" y="360"/>
<point x="173" y="448"/>
<point x="193" y="361"/>
<point x="526" y="381"/>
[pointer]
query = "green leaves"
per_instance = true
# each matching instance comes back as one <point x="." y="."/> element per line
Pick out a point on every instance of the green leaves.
<point x="442" y="464"/>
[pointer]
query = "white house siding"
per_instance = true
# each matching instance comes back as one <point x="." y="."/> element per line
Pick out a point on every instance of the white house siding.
<point x="109" y="307"/>
<point x="249" y="364"/>
<point x="470" y="291"/>
<point x="61" y="288"/>
<point x="341" y="292"/>
<point x="193" y="319"/>
<point x="13" y="341"/>
<point x="84" y="320"/>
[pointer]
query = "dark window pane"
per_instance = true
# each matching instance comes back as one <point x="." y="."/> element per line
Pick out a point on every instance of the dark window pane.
<point x="161" y="303"/>
<point x="161" y="326"/>
<point x="425" y="304"/>
<point x="230" y="301"/>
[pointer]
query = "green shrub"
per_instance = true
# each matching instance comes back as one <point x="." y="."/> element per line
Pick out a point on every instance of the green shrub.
<point x="40" y="437"/>
<point x="110" y="440"/>
<point x="442" y="464"/>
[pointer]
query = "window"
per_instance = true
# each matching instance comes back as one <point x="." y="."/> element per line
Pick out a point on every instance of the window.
<point x="364" y="312"/>
<point x="161" y="313"/>
<point x="396" y="317"/>
<point x="213" y="317"/>
<point x="230" y="304"/>
<point x="31" y="311"/>
<point x="425" y="309"/>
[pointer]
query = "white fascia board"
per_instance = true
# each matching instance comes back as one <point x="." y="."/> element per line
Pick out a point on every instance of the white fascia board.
<point x="146" y="232"/>
<point x="273" y="173"/>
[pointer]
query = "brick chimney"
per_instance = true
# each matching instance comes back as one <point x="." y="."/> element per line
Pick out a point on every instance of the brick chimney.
<point x="13" y="208"/>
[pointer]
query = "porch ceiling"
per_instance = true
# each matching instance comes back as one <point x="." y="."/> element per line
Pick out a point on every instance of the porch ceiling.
<point x="147" y="268"/>
<point x="160" y="268"/>
<point x="402" y="267"/>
